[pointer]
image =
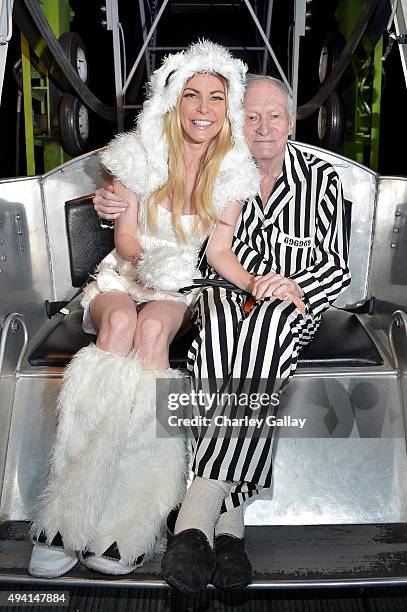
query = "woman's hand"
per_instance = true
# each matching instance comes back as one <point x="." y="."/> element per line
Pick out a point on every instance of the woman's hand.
<point x="108" y="204"/>
<point x="274" y="285"/>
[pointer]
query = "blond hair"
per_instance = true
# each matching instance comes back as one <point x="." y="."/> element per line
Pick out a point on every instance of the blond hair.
<point x="175" y="188"/>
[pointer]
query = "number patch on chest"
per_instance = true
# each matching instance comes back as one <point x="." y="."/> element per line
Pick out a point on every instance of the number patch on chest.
<point x="295" y="241"/>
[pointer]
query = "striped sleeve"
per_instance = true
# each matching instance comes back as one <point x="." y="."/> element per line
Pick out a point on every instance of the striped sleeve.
<point x="325" y="279"/>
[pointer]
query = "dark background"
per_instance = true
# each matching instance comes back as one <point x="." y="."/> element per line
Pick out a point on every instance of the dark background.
<point x="233" y="28"/>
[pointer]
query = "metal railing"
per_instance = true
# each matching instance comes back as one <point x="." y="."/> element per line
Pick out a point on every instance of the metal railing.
<point x="11" y="322"/>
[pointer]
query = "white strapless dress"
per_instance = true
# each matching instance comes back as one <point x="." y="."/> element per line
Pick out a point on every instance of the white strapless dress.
<point x="167" y="264"/>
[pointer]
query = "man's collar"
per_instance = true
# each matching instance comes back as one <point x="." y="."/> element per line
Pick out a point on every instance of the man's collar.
<point x="293" y="167"/>
<point x="291" y="175"/>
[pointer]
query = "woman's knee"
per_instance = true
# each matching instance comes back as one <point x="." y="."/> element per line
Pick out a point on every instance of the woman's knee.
<point x="152" y="332"/>
<point x="119" y="322"/>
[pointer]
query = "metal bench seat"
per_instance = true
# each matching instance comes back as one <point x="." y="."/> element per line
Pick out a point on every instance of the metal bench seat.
<point x="356" y="348"/>
<point x="88" y="243"/>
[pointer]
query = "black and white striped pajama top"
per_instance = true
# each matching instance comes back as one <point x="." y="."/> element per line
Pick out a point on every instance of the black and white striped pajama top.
<point x="300" y="233"/>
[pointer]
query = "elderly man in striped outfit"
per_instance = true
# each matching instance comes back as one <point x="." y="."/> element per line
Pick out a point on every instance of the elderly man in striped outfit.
<point x="290" y="239"/>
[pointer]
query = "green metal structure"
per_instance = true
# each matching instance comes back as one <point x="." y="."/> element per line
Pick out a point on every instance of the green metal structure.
<point x="37" y="92"/>
<point x="361" y="90"/>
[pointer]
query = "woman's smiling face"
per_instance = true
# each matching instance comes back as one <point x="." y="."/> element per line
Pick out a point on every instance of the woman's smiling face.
<point x="202" y="108"/>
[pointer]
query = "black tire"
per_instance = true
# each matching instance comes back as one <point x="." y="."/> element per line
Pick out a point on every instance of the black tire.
<point x="71" y="115"/>
<point x="75" y="50"/>
<point x="330" y="51"/>
<point x="331" y="122"/>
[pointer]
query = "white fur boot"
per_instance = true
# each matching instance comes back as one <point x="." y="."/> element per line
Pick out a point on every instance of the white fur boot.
<point x="151" y="480"/>
<point x="94" y="407"/>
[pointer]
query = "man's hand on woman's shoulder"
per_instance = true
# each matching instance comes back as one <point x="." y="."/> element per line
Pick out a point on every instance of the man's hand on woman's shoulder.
<point x="107" y="204"/>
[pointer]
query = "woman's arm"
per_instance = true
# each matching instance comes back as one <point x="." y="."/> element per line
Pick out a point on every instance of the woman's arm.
<point x="126" y="230"/>
<point x="219" y="253"/>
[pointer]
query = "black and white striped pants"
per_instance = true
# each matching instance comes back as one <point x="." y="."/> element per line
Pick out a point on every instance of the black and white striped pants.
<point x="231" y="348"/>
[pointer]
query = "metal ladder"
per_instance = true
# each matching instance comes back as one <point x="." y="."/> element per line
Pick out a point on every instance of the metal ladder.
<point x="149" y="47"/>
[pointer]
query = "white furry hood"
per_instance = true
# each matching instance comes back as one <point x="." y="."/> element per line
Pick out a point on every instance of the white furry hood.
<point x="139" y="158"/>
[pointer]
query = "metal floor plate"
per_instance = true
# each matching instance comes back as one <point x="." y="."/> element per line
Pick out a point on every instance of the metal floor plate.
<point x="282" y="557"/>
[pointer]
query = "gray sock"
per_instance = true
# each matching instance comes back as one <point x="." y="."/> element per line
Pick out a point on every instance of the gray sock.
<point x="201" y="506"/>
<point x="231" y="523"/>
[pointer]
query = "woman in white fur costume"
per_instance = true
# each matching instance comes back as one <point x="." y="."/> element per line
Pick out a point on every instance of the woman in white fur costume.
<point x="183" y="172"/>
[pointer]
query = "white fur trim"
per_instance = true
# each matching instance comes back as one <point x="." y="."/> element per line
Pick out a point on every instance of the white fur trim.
<point x="90" y="292"/>
<point x="112" y="479"/>
<point x="139" y="158"/>
<point x="151" y="480"/>
<point x="160" y="272"/>
<point x="94" y="407"/>
<point x="168" y="268"/>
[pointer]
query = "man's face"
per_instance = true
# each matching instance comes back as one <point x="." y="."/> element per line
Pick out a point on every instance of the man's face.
<point x="267" y="124"/>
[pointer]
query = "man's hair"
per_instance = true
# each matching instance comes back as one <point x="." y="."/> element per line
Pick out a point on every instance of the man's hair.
<point x="255" y="78"/>
<point x="202" y="193"/>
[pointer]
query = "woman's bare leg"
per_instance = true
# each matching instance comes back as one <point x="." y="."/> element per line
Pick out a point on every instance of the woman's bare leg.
<point x="158" y="322"/>
<point x="114" y="316"/>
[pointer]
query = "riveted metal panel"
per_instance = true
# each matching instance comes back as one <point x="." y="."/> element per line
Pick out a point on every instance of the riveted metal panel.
<point x="388" y="276"/>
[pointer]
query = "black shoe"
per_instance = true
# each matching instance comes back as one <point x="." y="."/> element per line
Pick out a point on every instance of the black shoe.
<point x="189" y="561"/>
<point x="233" y="568"/>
